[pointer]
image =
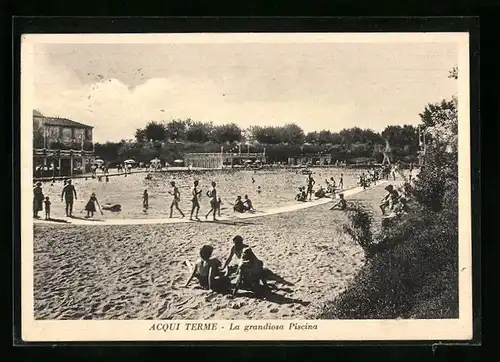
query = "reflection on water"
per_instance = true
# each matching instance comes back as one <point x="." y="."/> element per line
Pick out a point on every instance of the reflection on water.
<point x="278" y="188"/>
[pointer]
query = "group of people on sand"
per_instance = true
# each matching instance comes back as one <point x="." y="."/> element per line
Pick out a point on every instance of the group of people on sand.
<point x="68" y="194"/>
<point x="307" y="191"/>
<point x="215" y="200"/>
<point x="213" y="275"/>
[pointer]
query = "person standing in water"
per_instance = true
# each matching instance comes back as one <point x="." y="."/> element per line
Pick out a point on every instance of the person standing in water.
<point x="213" y="201"/>
<point x="69" y="194"/>
<point x="37" y="199"/>
<point x="195" y="200"/>
<point x="310" y="184"/>
<point x="145" y="199"/>
<point x="47" y="208"/>
<point x="90" y="207"/>
<point x="175" y="201"/>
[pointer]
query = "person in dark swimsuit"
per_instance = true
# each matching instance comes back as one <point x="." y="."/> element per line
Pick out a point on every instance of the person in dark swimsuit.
<point x="238" y="205"/>
<point x="341" y="204"/>
<point x="145" y="199"/>
<point x="195" y="200"/>
<point x="69" y="194"/>
<point x="90" y="207"/>
<point x="37" y="199"/>
<point x="236" y="250"/>
<point x="310" y="184"/>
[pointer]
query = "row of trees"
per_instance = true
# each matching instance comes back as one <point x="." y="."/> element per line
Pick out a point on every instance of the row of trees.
<point x="289" y="134"/>
<point x="171" y="139"/>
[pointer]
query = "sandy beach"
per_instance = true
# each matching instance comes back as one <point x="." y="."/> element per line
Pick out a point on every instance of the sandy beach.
<point x="138" y="272"/>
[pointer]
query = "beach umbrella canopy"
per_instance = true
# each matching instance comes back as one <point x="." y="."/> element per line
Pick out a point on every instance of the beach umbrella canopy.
<point x="129" y="161"/>
<point x="248" y="161"/>
<point x="99" y="161"/>
<point x="258" y="161"/>
<point x="155" y="160"/>
<point x="178" y="161"/>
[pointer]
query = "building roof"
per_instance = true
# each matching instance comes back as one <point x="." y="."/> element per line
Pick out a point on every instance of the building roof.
<point x="64" y="122"/>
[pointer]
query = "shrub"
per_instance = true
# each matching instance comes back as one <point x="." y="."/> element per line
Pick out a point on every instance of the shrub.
<point x="359" y="227"/>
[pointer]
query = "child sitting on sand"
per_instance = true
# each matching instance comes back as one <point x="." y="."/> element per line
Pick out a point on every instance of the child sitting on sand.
<point x="250" y="272"/>
<point x="238" y="205"/>
<point x="341" y="204"/>
<point x="320" y="193"/>
<point x="207" y="271"/>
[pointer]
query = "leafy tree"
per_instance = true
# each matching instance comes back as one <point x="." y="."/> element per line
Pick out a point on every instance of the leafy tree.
<point x="153" y="131"/>
<point x="267" y="135"/>
<point x="324" y="137"/>
<point x="292" y="134"/>
<point x="199" y="132"/>
<point x="176" y="130"/>
<point x="227" y="133"/>
<point x="140" y="136"/>
<point x="312" y="137"/>
<point x="442" y="113"/>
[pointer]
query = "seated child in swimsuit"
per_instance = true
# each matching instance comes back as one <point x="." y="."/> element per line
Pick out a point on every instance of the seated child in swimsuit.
<point x="320" y="193"/>
<point x="341" y="205"/>
<point x="250" y="272"/>
<point x="207" y="270"/>
<point x="238" y="205"/>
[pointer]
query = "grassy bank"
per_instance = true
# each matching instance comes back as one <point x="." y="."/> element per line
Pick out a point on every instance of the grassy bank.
<point x="416" y="277"/>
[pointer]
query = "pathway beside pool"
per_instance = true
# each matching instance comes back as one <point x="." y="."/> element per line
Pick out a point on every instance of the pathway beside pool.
<point x="258" y="213"/>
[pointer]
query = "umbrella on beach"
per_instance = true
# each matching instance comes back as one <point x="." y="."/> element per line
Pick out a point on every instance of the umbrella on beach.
<point x="178" y="161"/>
<point x="248" y="161"/>
<point x="99" y="161"/>
<point x="155" y="160"/>
<point x="129" y="161"/>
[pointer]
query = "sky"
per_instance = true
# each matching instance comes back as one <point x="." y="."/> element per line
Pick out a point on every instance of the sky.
<point x="118" y="88"/>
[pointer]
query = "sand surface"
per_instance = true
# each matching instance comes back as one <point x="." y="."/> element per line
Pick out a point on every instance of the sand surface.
<point x="138" y="271"/>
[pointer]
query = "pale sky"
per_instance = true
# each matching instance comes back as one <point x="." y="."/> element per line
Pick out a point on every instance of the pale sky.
<point x="117" y="88"/>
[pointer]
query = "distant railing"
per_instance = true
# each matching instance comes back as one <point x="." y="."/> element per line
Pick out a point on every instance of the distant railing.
<point x="61" y="153"/>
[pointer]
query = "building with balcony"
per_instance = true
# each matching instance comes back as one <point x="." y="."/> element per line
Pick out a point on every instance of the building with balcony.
<point x="61" y="147"/>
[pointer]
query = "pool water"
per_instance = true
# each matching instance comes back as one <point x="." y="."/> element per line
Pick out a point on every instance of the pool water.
<point x="278" y="188"/>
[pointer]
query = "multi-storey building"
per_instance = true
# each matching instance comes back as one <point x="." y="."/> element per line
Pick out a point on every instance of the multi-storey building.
<point x="61" y="147"/>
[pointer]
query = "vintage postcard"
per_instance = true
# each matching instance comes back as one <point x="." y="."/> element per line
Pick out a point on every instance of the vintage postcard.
<point x="219" y="187"/>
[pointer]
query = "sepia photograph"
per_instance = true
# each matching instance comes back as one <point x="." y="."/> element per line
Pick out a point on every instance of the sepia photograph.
<point x="245" y="186"/>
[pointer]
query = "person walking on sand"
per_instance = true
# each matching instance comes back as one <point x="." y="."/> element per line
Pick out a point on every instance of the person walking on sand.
<point x="47" y="208"/>
<point x="176" y="198"/>
<point x="69" y="194"/>
<point x="341" y="181"/>
<point x="213" y="201"/>
<point x="37" y="199"/>
<point x="195" y="200"/>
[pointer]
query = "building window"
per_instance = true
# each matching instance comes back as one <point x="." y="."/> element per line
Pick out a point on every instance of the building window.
<point x="88" y="134"/>
<point x="66" y="134"/>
